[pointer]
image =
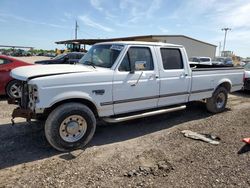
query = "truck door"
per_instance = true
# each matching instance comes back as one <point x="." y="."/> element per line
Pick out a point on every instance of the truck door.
<point x="174" y="79"/>
<point x="136" y="81"/>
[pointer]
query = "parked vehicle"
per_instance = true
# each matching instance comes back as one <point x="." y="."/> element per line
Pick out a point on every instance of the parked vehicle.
<point x="118" y="81"/>
<point x="224" y="61"/>
<point x="69" y="58"/>
<point x="20" y="52"/>
<point x="8" y="85"/>
<point x="247" y="76"/>
<point x="200" y="60"/>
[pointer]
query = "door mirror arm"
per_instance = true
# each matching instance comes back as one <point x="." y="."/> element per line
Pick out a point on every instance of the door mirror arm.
<point x="134" y="84"/>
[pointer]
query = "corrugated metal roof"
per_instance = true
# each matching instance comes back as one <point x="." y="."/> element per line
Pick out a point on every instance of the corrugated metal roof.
<point x="132" y="38"/>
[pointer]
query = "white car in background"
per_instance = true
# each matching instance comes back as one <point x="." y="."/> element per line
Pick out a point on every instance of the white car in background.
<point x="200" y="60"/>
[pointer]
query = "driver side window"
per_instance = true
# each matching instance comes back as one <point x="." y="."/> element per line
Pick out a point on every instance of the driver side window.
<point x="139" y="57"/>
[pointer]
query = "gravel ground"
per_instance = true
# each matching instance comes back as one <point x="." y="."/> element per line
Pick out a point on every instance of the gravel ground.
<point x="32" y="59"/>
<point x="149" y="152"/>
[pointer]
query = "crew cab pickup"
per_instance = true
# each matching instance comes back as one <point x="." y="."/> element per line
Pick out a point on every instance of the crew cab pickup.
<point x="118" y="81"/>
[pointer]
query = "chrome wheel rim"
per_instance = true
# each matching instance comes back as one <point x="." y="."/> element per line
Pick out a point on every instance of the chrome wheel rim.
<point x="220" y="101"/>
<point x="73" y="128"/>
<point x="15" y="90"/>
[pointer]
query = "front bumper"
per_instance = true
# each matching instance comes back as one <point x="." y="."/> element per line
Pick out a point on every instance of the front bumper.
<point x="23" y="113"/>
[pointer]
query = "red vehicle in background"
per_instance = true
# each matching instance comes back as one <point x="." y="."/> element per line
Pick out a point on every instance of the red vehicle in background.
<point x="8" y="85"/>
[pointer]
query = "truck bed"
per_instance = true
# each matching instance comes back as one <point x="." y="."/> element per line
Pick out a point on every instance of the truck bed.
<point x="205" y="79"/>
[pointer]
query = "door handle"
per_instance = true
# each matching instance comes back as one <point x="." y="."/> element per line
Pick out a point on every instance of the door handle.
<point x="183" y="75"/>
<point x="153" y="76"/>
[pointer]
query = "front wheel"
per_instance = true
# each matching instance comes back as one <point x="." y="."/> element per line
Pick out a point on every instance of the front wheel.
<point x="218" y="101"/>
<point x="70" y="126"/>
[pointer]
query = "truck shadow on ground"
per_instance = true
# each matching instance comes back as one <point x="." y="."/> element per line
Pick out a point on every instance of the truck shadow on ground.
<point x="245" y="94"/>
<point x="26" y="143"/>
<point x="3" y="98"/>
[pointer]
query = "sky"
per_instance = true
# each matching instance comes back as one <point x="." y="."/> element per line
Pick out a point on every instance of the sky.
<point x="39" y="23"/>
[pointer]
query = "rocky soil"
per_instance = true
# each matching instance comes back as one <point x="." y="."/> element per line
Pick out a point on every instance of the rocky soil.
<point x="149" y="152"/>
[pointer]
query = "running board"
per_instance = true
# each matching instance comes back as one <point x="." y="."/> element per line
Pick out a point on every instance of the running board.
<point x="141" y="115"/>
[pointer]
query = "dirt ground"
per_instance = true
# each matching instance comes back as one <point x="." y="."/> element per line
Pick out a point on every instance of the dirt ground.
<point x="149" y="152"/>
<point x="32" y="59"/>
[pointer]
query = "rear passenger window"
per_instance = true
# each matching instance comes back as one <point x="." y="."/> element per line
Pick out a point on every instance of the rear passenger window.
<point x="171" y="58"/>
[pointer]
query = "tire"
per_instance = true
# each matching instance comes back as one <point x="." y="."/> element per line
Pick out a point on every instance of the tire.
<point x="218" y="101"/>
<point x="41" y="117"/>
<point x="13" y="89"/>
<point x="70" y="126"/>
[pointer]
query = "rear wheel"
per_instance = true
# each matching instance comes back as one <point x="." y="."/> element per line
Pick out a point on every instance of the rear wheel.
<point x="70" y="126"/>
<point x="13" y="89"/>
<point x="218" y="101"/>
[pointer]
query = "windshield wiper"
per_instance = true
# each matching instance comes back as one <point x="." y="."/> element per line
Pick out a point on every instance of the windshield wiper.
<point x="89" y="63"/>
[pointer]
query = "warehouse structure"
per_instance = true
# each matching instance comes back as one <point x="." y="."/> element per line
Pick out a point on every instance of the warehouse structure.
<point x="193" y="46"/>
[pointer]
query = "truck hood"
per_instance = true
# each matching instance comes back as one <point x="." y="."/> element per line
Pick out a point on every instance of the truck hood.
<point x="29" y="72"/>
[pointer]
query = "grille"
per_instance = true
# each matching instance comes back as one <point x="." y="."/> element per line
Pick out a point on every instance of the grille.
<point x="25" y="95"/>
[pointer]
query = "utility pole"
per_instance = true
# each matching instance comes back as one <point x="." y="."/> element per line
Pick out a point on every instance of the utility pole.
<point x="219" y="49"/>
<point x="76" y="28"/>
<point x="225" y="37"/>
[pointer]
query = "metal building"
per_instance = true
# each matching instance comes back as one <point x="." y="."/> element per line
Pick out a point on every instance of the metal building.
<point x="193" y="46"/>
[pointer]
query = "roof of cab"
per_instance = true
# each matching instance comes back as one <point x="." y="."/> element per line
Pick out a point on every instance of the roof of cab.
<point x="142" y="43"/>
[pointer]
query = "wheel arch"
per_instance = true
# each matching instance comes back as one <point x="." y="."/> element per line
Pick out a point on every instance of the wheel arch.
<point x="86" y="102"/>
<point x="226" y="84"/>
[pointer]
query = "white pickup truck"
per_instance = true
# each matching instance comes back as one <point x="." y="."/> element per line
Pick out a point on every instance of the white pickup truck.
<point x="118" y="81"/>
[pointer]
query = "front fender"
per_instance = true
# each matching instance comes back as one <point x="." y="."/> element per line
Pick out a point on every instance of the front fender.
<point x="64" y="96"/>
<point x="71" y="95"/>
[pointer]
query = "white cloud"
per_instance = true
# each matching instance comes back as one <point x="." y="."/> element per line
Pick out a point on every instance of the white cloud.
<point x="236" y="16"/>
<point x="224" y="13"/>
<point x="96" y="4"/>
<point x="22" y="19"/>
<point x="138" y="11"/>
<point x="163" y="30"/>
<point x="89" y="22"/>
<point x="67" y="15"/>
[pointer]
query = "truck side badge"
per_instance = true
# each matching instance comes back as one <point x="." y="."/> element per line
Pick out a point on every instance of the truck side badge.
<point x="99" y="92"/>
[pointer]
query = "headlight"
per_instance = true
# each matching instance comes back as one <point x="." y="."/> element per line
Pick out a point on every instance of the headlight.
<point x="33" y="93"/>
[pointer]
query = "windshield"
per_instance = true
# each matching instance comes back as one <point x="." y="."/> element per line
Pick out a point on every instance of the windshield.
<point x="60" y="56"/>
<point x="247" y="66"/>
<point x="102" y="55"/>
